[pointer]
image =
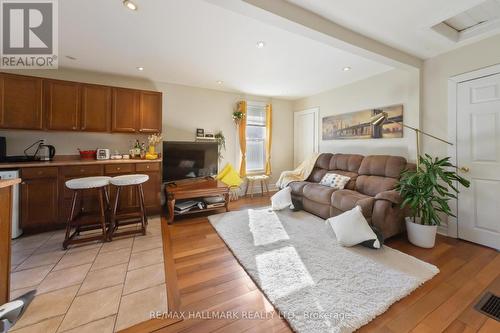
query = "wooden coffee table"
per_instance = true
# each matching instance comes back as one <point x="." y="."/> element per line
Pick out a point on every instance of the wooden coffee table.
<point x="195" y="189"/>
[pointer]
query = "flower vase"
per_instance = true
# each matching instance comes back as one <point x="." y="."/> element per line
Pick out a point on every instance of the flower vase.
<point x="151" y="150"/>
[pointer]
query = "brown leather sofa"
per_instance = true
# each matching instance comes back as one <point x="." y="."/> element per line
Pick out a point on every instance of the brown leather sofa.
<point x="371" y="186"/>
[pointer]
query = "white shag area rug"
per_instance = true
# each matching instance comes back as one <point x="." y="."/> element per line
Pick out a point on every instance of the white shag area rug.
<point x="315" y="283"/>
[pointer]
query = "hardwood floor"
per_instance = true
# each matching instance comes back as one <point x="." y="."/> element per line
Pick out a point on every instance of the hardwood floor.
<point x="208" y="278"/>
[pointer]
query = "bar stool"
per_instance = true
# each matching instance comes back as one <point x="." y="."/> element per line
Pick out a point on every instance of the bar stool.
<point x="79" y="185"/>
<point x="128" y="218"/>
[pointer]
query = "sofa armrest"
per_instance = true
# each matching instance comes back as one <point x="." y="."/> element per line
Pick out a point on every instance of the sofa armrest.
<point x="391" y="196"/>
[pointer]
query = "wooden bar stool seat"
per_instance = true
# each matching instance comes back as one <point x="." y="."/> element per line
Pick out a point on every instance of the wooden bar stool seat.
<point x="82" y="221"/>
<point x="257" y="178"/>
<point x="130" y="217"/>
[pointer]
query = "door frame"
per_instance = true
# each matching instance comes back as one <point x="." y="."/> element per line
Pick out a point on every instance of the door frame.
<point x="315" y="111"/>
<point x="453" y="83"/>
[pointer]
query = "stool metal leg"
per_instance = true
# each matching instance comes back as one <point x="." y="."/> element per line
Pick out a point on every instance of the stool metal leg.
<point x="262" y="187"/>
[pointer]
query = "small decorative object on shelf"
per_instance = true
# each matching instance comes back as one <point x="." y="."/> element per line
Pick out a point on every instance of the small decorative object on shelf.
<point x="200" y="132"/>
<point x="153" y="141"/>
<point x="237" y="117"/>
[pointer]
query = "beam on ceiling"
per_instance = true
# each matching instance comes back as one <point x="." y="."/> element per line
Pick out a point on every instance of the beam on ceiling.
<point x="291" y="17"/>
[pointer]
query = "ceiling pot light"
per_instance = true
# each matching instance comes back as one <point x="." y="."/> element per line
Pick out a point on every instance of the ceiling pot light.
<point x="220" y="82"/>
<point x="261" y="44"/>
<point x="129" y="4"/>
<point x="346" y="69"/>
<point x="140" y="68"/>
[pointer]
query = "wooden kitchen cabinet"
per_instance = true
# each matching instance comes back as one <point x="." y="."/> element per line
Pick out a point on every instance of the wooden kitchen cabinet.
<point x="62" y="105"/>
<point x="95" y="108"/>
<point x="125" y="110"/>
<point x="89" y="201"/>
<point x="34" y="103"/>
<point x="150" y="112"/>
<point x="129" y="198"/>
<point x="20" y="102"/>
<point x="46" y="202"/>
<point x="151" y="188"/>
<point x="39" y="198"/>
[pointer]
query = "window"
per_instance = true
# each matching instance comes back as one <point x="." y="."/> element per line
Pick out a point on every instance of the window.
<point x="256" y="137"/>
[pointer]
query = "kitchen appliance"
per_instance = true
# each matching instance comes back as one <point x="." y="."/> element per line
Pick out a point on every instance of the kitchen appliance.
<point x="46" y="152"/>
<point x="103" y="154"/>
<point x="12" y="174"/>
<point x="3" y="149"/>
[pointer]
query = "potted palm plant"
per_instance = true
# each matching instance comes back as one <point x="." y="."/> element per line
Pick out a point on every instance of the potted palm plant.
<point x="426" y="192"/>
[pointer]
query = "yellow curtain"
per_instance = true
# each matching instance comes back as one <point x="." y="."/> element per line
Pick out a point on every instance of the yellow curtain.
<point x="242" y="107"/>
<point x="269" y="126"/>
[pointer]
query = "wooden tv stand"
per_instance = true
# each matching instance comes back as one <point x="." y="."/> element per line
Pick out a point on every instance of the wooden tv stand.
<point x="195" y="189"/>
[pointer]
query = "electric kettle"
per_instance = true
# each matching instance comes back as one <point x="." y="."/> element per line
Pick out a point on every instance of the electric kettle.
<point x="47" y="152"/>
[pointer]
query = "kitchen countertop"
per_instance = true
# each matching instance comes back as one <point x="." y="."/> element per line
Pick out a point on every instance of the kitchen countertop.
<point x="64" y="161"/>
<point x="9" y="182"/>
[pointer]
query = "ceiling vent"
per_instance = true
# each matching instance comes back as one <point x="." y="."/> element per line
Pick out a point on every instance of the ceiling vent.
<point x="477" y="20"/>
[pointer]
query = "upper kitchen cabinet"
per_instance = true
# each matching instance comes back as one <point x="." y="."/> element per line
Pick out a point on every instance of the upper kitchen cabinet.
<point x="62" y="105"/>
<point x="125" y="112"/>
<point x="20" y="102"/>
<point x="96" y="108"/>
<point x="150" y="112"/>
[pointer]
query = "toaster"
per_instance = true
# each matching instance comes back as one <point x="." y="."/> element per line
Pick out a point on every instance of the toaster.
<point x="103" y="154"/>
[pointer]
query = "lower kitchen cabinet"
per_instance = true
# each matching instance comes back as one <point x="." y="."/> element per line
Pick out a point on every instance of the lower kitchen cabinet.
<point x="46" y="202"/>
<point x="39" y="199"/>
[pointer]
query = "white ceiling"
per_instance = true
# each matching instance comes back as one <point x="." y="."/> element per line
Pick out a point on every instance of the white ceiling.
<point x="402" y="24"/>
<point x="193" y="42"/>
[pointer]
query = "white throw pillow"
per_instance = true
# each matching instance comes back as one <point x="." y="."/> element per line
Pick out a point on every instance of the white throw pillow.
<point x="351" y="228"/>
<point x="334" y="180"/>
<point x="282" y="199"/>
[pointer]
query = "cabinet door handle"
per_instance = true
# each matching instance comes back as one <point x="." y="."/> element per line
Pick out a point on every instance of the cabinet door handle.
<point x="117" y="168"/>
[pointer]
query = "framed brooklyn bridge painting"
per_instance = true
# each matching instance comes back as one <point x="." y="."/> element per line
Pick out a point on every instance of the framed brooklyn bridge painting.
<point x="356" y="125"/>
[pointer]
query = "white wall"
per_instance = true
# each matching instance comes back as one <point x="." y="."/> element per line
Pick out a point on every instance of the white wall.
<point x="436" y="73"/>
<point x="393" y="87"/>
<point x="184" y="109"/>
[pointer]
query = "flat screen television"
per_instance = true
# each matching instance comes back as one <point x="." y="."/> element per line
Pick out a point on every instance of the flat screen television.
<point x="185" y="160"/>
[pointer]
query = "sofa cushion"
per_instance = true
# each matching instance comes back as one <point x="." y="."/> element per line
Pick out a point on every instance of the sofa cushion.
<point x="346" y="162"/>
<point x="317" y="174"/>
<point x="335" y="180"/>
<point x="372" y="185"/>
<point x="345" y="200"/>
<point x="382" y="165"/>
<point x="298" y="187"/>
<point x="323" y="161"/>
<point x="379" y="173"/>
<point x="318" y="193"/>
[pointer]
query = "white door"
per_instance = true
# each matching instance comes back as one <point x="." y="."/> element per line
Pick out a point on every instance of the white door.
<point x="305" y="134"/>
<point x="478" y="158"/>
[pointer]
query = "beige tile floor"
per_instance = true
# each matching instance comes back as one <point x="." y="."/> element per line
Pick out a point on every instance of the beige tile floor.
<point x="89" y="288"/>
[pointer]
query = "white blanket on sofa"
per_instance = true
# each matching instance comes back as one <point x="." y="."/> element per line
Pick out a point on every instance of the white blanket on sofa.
<point x="300" y="173"/>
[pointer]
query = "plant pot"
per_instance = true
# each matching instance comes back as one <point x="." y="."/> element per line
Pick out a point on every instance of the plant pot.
<point x="420" y="234"/>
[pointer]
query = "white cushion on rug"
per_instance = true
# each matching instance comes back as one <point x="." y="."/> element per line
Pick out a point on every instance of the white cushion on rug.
<point x="334" y="180"/>
<point x="351" y="228"/>
<point x="282" y="199"/>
